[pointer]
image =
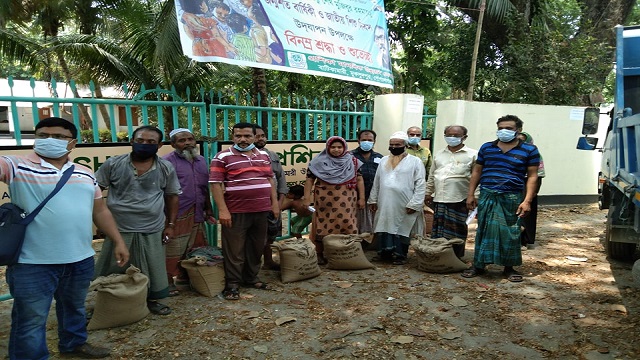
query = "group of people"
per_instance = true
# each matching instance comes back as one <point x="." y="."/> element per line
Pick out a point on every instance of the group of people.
<point x="156" y="208"/>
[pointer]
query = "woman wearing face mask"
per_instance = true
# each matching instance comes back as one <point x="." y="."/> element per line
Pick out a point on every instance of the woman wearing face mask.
<point x="338" y="190"/>
<point x="447" y="187"/>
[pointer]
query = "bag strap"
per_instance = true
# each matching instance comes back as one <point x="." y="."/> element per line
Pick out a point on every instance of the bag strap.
<point x="63" y="180"/>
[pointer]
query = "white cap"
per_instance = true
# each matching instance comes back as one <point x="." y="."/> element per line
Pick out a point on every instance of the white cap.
<point x="400" y="135"/>
<point x="178" y="130"/>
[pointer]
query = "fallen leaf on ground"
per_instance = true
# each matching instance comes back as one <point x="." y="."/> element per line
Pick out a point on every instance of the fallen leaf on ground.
<point x="619" y="308"/>
<point x="343" y="285"/>
<point x="252" y="314"/>
<point x="449" y="333"/>
<point x="261" y="349"/>
<point x="402" y="339"/>
<point x="458" y="301"/>
<point x="285" y="319"/>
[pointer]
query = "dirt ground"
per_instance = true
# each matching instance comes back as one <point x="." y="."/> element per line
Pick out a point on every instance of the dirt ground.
<point x="564" y="309"/>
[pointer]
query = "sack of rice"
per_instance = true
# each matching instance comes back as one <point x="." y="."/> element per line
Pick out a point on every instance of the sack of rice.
<point x="436" y="255"/>
<point x="121" y="299"/>
<point x="344" y="252"/>
<point x="636" y="272"/>
<point x="206" y="277"/>
<point x="298" y="259"/>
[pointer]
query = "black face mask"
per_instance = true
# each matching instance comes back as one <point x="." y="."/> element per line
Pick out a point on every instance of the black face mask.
<point x="144" y="151"/>
<point x="396" y="150"/>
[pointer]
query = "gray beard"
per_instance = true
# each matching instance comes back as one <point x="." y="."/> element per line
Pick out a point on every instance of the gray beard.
<point x="189" y="154"/>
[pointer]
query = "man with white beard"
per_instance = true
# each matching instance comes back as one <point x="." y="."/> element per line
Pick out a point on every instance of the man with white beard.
<point x="194" y="206"/>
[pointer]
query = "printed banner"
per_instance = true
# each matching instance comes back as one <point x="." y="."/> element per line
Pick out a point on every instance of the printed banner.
<point x="342" y="39"/>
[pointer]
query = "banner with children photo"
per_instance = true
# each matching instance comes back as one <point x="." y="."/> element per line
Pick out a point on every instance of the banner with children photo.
<point x="343" y="39"/>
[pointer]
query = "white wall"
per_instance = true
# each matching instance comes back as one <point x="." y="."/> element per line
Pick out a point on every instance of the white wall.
<point x="395" y="112"/>
<point x="555" y="130"/>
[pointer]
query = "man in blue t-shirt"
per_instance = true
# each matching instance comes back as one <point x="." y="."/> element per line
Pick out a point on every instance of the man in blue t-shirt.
<point x="502" y="169"/>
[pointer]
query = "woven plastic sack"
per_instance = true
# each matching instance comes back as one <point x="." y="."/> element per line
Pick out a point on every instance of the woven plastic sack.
<point x="298" y="259"/>
<point x="206" y="277"/>
<point x="636" y="272"/>
<point x="344" y="252"/>
<point x="121" y="299"/>
<point x="436" y="255"/>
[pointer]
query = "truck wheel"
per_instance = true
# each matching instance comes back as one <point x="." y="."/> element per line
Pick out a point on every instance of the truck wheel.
<point x="617" y="250"/>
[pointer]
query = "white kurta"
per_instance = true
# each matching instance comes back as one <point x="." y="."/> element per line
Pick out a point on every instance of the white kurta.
<point x="396" y="190"/>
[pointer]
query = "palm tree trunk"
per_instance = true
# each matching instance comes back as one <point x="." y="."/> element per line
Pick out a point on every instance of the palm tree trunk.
<point x="85" y="119"/>
<point x="260" y="88"/>
<point x="102" y="107"/>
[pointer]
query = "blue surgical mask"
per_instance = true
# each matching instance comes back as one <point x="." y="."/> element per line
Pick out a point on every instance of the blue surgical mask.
<point x="366" y="145"/>
<point x="144" y="151"/>
<point x="248" y="148"/>
<point x="51" y="148"/>
<point x="453" y="141"/>
<point x="506" y="135"/>
<point x="414" y="140"/>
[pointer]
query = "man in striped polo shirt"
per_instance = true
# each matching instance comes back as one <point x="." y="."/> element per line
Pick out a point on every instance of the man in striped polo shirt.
<point x="244" y="191"/>
<point x="56" y="261"/>
<point x="502" y="169"/>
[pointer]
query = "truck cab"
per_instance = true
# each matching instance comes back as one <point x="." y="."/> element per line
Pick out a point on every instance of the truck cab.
<point x="619" y="178"/>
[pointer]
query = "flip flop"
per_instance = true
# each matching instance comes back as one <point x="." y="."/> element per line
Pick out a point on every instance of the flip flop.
<point x="261" y="286"/>
<point x="158" y="308"/>
<point x="399" y="261"/>
<point x="514" y="276"/>
<point x="472" y="272"/>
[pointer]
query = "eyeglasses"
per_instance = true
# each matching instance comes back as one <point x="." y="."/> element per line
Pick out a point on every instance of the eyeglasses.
<point x="55" y="136"/>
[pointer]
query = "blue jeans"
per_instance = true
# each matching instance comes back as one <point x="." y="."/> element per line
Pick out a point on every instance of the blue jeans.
<point x="33" y="287"/>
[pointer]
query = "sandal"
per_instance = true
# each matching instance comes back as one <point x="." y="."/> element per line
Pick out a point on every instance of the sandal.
<point x="399" y="261"/>
<point x="322" y="260"/>
<point x="513" y="276"/>
<point x="158" y="308"/>
<point x="231" y="294"/>
<point x="472" y="272"/>
<point x="173" y="291"/>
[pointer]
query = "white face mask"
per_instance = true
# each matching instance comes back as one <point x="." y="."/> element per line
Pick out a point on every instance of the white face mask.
<point x="453" y="141"/>
<point x="414" y="140"/>
<point x="51" y="148"/>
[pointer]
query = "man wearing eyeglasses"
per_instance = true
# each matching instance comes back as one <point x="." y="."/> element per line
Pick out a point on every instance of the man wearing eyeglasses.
<point x="56" y="261"/>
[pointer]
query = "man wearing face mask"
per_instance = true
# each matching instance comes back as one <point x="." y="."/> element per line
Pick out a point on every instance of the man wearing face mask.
<point x="56" y="260"/>
<point x="143" y="196"/>
<point x="370" y="160"/>
<point x="448" y="185"/>
<point x="502" y="169"/>
<point x="244" y="189"/>
<point x="396" y="198"/>
<point x="414" y="134"/>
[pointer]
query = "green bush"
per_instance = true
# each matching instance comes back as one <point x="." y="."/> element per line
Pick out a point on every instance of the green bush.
<point x="103" y="135"/>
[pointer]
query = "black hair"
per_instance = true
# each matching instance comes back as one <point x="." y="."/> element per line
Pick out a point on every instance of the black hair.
<point x="464" y="129"/>
<point x="297" y="191"/>
<point x="519" y="123"/>
<point x="367" y="131"/>
<point x="258" y="13"/>
<point x="237" y="22"/>
<point x="58" y="122"/>
<point x="148" y="128"/>
<point x="244" y="125"/>
<point x="220" y="4"/>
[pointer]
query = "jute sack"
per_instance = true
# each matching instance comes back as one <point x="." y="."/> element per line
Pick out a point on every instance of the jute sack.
<point x="298" y="259"/>
<point x="344" y="252"/>
<point x="121" y="299"/>
<point x="436" y="255"/>
<point x="207" y="278"/>
<point x="636" y="272"/>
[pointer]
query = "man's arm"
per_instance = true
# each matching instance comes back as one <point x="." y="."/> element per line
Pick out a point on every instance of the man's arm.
<point x="431" y="185"/>
<point x="308" y="186"/>
<point x="532" y="181"/>
<point x="275" y="204"/>
<point x="171" y="204"/>
<point x="416" y="201"/>
<point x="104" y="221"/>
<point x="476" y="171"/>
<point x="224" y="216"/>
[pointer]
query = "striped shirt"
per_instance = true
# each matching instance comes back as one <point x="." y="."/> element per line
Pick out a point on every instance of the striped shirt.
<point x="506" y="172"/>
<point x="62" y="231"/>
<point x="245" y="177"/>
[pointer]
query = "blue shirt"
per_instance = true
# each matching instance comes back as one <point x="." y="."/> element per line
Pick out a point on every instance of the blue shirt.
<point x="62" y="231"/>
<point x="506" y="172"/>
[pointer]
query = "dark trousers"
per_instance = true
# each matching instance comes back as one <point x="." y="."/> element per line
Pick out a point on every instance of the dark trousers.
<point x="242" y="246"/>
